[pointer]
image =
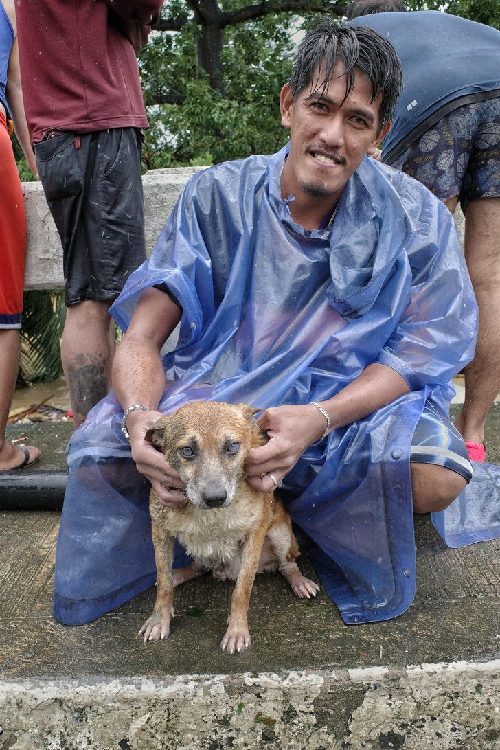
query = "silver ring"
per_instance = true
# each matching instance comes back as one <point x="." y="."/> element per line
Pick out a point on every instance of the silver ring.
<point x="271" y="476"/>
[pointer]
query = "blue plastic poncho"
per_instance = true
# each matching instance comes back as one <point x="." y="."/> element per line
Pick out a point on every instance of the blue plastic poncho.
<point x="275" y="314"/>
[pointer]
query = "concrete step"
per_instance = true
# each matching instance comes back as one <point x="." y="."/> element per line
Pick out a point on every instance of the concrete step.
<point x="428" y="679"/>
<point x="42" y="485"/>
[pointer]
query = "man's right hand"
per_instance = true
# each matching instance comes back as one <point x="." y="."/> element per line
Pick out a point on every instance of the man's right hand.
<point x="153" y="464"/>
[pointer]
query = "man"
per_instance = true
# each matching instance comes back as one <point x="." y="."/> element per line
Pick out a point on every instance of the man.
<point x="320" y="286"/>
<point x="85" y="110"/>
<point x="446" y="133"/>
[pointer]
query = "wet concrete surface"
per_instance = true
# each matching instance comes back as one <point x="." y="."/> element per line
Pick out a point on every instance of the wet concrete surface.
<point x="455" y="616"/>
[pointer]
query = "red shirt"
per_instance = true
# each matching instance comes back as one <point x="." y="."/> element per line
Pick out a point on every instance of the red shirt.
<point x="78" y="68"/>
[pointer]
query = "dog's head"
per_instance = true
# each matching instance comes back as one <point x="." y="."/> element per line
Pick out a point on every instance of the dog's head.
<point x="207" y="442"/>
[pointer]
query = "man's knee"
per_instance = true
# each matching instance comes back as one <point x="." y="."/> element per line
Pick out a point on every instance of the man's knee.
<point x="434" y="487"/>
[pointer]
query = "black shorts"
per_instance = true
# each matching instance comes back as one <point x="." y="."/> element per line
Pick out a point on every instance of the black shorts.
<point x="93" y="186"/>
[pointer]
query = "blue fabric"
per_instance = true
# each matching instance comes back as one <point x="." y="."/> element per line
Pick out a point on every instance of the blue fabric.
<point x="11" y="321"/>
<point x="276" y="314"/>
<point x="475" y="514"/>
<point x="6" y="42"/>
<point x="437" y="441"/>
<point x="443" y="57"/>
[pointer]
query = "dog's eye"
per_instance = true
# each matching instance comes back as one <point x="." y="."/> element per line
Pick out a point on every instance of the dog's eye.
<point x="186" y="451"/>
<point x="232" y="448"/>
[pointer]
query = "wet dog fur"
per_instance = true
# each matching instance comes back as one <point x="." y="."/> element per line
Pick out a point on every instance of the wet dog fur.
<point x="226" y="526"/>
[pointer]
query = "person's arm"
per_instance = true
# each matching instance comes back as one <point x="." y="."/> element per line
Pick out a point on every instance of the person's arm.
<point x="138" y="10"/>
<point x="138" y="378"/>
<point x="292" y="429"/>
<point x="431" y="343"/>
<point x="134" y="19"/>
<point x="15" y="94"/>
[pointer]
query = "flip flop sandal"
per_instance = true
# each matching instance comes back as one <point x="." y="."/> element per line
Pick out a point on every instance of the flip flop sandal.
<point x="25" y="462"/>
<point x="476" y="452"/>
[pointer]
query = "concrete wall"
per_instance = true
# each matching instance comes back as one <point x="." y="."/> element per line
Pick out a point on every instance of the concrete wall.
<point x="44" y="259"/>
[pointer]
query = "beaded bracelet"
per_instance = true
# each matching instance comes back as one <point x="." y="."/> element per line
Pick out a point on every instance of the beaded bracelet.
<point x="127" y="412"/>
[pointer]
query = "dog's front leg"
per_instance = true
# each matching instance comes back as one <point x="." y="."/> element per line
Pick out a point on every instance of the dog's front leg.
<point x="158" y="625"/>
<point x="237" y="637"/>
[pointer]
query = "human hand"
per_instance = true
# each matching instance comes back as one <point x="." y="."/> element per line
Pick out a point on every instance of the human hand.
<point x="291" y="429"/>
<point x="152" y="463"/>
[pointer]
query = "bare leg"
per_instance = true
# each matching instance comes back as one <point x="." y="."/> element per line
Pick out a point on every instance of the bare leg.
<point x="87" y="348"/>
<point x="434" y="487"/>
<point x="482" y="376"/>
<point x="10" y="455"/>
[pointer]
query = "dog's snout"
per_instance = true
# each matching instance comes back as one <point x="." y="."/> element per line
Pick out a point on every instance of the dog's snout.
<point x="214" y="497"/>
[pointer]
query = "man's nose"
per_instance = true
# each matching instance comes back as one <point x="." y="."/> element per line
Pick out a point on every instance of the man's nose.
<point x="332" y="132"/>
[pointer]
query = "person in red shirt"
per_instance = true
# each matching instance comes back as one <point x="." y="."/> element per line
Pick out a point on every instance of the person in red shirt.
<point x="12" y="233"/>
<point x="85" y="112"/>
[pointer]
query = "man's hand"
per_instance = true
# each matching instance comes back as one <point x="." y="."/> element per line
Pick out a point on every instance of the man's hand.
<point x="291" y="429"/>
<point x="153" y="464"/>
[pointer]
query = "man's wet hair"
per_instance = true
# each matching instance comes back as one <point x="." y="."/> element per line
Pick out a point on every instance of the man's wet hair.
<point x="366" y="7"/>
<point x="357" y="47"/>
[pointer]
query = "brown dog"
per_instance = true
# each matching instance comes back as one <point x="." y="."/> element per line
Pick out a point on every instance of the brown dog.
<point x="226" y="526"/>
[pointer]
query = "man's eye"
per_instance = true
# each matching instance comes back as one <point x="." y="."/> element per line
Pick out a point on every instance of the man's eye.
<point x="232" y="448"/>
<point x="320" y="106"/>
<point x="186" y="451"/>
<point x="359" y="122"/>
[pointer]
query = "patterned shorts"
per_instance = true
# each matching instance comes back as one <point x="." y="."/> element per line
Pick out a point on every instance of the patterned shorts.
<point x="459" y="155"/>
<point x="437" y="441"/>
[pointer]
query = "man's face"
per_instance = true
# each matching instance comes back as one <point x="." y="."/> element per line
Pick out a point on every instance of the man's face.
<point x="329" y="136"/>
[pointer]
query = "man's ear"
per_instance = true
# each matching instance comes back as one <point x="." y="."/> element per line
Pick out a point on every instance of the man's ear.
<point x="379" y="138"/>
<point x="286" y="104"/>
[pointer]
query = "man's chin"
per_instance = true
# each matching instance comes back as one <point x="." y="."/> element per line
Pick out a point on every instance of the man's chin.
<point x="317" y="189"/>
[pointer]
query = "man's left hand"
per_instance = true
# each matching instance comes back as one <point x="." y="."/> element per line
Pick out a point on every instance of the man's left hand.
<point x="291" y="429"/>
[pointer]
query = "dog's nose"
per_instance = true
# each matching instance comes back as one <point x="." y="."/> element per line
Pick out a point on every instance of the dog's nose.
<point x="214" y="498"/>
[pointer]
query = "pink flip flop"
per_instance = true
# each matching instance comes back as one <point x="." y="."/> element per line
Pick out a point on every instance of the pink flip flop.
<point x="476" y="452"/>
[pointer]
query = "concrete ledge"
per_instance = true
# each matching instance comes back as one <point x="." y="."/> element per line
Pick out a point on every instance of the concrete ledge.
<point x="44" y="255"/>
<point x="430" y="706"/>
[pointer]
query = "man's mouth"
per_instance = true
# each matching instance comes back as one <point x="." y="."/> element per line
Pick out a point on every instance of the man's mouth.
<point x="325" y="158"/>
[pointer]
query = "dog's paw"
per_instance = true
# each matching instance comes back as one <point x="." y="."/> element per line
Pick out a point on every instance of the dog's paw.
<point x="236" y="640"/>
<point x="156" y="627"/>
<point x="303" y="587"/>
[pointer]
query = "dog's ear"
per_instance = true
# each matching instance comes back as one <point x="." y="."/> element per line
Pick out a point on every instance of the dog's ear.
<point x="156" y="434"/>
<point x="247" y="410"/>
<point x="258" y="437"/>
